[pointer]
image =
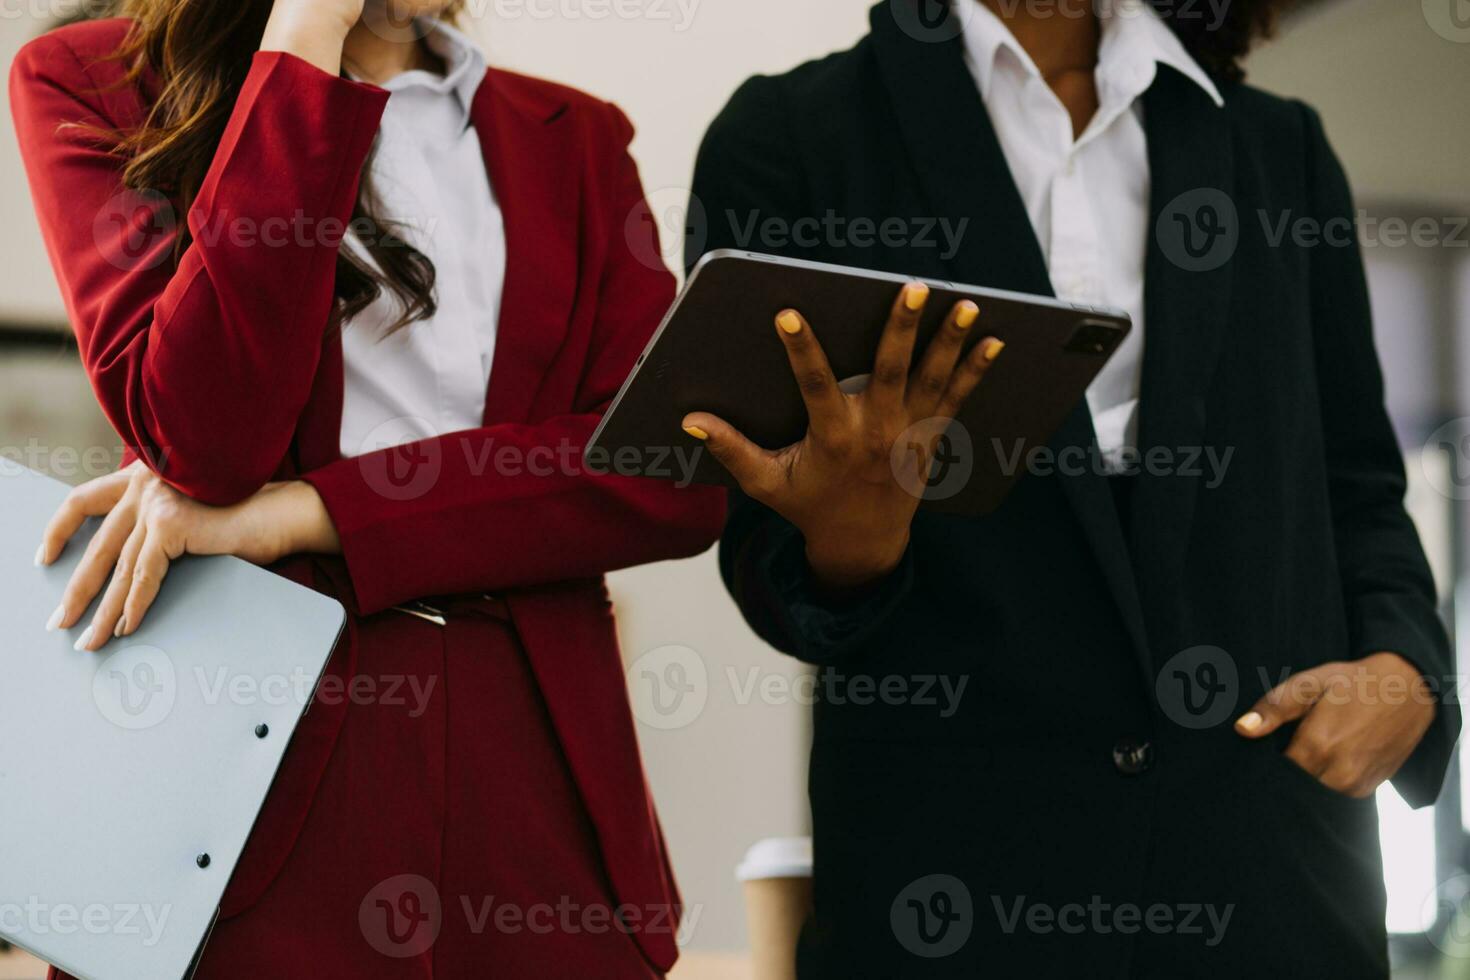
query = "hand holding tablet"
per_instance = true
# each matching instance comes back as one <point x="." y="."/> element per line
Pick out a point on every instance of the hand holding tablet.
<point x="854" y="481"/>
<point x="864" y="401"/>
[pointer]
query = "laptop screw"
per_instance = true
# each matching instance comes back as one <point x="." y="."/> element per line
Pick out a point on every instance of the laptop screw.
<point x="261" y="731"/>
<point x="202" y="860"/>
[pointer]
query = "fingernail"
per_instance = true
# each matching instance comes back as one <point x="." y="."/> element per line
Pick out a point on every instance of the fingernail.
<point x="914" y="295"/>
<point x="41" y="556"/>
<point x="789" y="322"/>
<point x="84" y="639"/>
<point x="55" y="620"/>
<point x="967" y="315"/>
<point x="993" y="348"/>
<point x="121" y="627"/>
<point x="1250" y="721"/>
<point x="696" y="432"/>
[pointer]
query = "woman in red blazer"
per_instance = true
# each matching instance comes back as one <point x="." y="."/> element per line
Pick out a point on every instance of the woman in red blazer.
<point x="283" y="279"/>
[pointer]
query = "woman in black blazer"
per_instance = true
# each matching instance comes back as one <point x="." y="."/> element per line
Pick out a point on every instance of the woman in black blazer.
<point x="1190" y="657"/>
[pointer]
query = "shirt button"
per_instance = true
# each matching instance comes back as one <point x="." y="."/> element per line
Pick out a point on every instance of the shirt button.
<point x="1133" y="756"/>
<point x="1071" y="168"/>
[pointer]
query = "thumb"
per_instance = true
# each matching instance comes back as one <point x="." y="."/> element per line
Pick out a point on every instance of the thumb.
<point x="1287" y="702"/>
<point x="748" y="463"/>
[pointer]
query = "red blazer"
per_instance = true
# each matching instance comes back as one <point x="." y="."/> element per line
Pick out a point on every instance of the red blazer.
<point x="225" y="372"/>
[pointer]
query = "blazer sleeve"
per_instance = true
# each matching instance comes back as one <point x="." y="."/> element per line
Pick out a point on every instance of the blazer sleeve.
<point x="202" y="365"/>
<point x="549" y="518"/>
<point x="746" y="169"/>
<point x="1386" y="581"/>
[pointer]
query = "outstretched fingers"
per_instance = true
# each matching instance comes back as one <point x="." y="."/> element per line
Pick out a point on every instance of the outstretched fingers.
<point x="826" y="405"/>
<point x="967" y="377"/>
<point x="896" y="349"/>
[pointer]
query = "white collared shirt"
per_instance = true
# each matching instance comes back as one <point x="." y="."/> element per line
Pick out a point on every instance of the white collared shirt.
<point x="430" y="377"/>
<point x="1088" y="198"/>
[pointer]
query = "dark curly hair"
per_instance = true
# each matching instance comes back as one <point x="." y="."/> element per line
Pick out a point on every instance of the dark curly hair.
<point x="1219" y="43"/>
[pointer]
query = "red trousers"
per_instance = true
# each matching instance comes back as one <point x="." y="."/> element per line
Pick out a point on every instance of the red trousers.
<point x="447" y="839"/>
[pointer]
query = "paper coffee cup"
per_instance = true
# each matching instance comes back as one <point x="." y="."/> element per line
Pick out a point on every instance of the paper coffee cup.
<point x="778" y="898"/>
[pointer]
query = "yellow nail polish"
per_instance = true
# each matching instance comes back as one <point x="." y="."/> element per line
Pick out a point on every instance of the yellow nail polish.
<point x="789" y="322"/>
<point x="967" y="315"/>
<point x="914" y="295"/>
<point x="696" y="432"/>
<point x="993" y="348"/>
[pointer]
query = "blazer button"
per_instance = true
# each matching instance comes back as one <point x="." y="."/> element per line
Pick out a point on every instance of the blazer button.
<point x="1133" y="756"/>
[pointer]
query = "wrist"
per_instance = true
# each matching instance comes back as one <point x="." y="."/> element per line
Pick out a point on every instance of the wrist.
<point x="296" y="521"/>
<point x="315" y="532"/>
<point x="1386" y="663"/>
<point x="849" y="566"/>
<point x="315" y="37"/>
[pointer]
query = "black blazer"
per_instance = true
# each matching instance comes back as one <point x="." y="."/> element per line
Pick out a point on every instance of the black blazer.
<point x="1089" y="759"/>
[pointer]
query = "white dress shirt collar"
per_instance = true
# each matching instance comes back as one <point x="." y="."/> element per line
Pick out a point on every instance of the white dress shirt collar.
<point x="1135" y="41"/>
<point x="464" y="69"/>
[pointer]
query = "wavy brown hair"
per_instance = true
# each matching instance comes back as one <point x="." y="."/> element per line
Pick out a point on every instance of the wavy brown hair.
<point x="195" y="55"/>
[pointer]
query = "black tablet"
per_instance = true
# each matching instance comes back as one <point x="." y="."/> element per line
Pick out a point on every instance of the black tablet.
<point x="717" y="351"/>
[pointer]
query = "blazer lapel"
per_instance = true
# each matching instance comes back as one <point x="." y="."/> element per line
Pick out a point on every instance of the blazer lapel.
<point x="963" y="172"/>
<point x="1186" y="301"/>
<point x="538" y="186"/>
<point x="954" y="151"/>
<point x="537" y="181"/>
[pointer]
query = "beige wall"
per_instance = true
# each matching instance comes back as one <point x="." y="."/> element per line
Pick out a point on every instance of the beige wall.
<point x="1390" y="79"/>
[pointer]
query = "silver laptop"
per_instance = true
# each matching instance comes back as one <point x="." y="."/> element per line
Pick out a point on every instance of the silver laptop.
<point x="130" y="778"/>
